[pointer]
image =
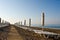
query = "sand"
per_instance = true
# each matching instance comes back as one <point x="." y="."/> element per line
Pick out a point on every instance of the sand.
<point x="16" y="33"/>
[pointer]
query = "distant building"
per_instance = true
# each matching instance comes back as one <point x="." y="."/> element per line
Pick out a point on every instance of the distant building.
<point x="0" y="20"/>
<point x="29" y="22"/>
<point x="3" y="21"/>
<point x="21" y="22"/>
<point x="24" y="22"/>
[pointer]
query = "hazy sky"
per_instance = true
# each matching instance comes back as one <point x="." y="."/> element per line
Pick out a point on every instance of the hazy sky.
<point x="18" y="10"/>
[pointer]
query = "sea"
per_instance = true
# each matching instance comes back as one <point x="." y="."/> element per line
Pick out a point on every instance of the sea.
<point x="53" y="26"/>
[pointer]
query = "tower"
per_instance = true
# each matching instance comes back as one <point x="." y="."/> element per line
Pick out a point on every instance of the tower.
<point x="0" y="20"/>
<point x="21" y="22"/>
<point x="24" y="22"/>
<point x="43" y="19"/>
<point x="29" y="22"/>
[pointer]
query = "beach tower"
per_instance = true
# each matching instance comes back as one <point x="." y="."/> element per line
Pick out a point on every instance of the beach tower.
<point x="24" y="22"/>
<point x="43" y="19"/>
<point x="0" y="20"/>
<point x="29" y="22"/>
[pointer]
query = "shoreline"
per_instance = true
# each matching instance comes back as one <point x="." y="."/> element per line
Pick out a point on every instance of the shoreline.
<point x="48" y="29"/>
<point x="33" y="35"/>
<point x="44" y="29"/>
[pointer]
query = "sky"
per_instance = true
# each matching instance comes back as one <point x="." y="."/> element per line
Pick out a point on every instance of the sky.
<point x="20" y="10"/>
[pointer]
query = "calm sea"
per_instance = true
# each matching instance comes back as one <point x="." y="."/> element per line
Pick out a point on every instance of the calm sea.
<point x="48" y="26"/>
